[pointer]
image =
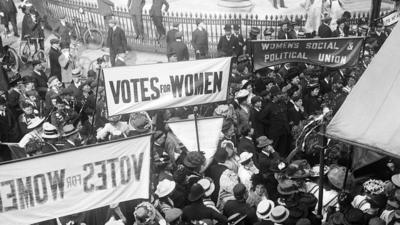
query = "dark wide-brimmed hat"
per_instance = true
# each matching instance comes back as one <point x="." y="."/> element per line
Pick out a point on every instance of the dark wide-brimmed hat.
<point x="254" y="31"/>
<point x="287" y="187"/>
<point x="194" y="159"/>
<point x="196" y="192"/>
<point x="263" y="141"/>
<point x="227" y="27"/>
<point x="298" y="169"/>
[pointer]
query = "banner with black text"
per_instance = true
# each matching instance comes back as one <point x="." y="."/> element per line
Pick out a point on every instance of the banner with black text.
<point x="166" y="85"/>
<point x="329" y="52"/>
<point x="69" y="182"/>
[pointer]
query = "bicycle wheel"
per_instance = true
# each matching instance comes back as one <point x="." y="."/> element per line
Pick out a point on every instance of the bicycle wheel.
<point x="93" y="38"/>
<point x="12" y="60"/>
<point x="25" y="53"/>
<point x="39" y="55"/>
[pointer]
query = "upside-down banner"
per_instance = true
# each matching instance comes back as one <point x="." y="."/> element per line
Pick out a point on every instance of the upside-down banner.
<point x="65" y="183"/>
<point x="329" y="52"/>
<point x="166" y="85"/>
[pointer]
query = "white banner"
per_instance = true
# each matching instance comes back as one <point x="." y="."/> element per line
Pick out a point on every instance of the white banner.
<point x="65" y="183"/>
<point x="166" y="85"/>
<point x="209" y="132"/>
<point x="391" y="19"/>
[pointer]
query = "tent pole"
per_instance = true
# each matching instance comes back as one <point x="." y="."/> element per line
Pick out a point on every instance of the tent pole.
<point x="321" y="169"/>
<point x="348" y="167"/>
<point x="195" y="112"/>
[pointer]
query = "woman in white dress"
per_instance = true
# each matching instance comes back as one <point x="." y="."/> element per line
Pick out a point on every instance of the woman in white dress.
<point x="336" y="13"/>
<point x="313" y="17"/>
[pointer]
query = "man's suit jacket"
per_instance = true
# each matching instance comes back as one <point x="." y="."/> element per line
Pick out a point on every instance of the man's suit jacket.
<point x="324" y="31"/>
<point x="287" y="35"/>
<point x="40" y="83"/>
<point x="180" y="49"/>
<point x="171" y="36"/>
<point x="156" y="7"/>
<point x="228" y="47"/>
<point x="63" y="32"/>
<point x="55" y="68"/>
<point x="116" y="40"/>
<point x="9" y="131"/>
<point x="136" y="6"/>
<point x="8" y="7"/>
<point x="200" y="40"/>
<point x="74" y="90"/>
<point x="105" y="7"/>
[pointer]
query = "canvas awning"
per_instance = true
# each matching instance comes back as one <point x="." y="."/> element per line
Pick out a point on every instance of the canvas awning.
<point x="370" y="116"/>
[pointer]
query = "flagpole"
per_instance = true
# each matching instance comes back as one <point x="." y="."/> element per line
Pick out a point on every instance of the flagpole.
<point x="195" y="112"/>
<point x="321" y="170"/>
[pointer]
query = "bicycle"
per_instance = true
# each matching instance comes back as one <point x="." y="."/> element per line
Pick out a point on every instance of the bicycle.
<point x="87" y="34"/>
<point x="26" y="49"/>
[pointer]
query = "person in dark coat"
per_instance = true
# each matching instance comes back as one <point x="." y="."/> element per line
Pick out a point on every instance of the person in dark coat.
<point x="54" y="54"/>
<point x="239" y="36"/>
<point x="171" y="34"/>
<point x="278" y="124"/>
<point x="75" y="88"/>
<point x="256" y="117"/>
<point x="14" y="95"/>
<point x="40" y="79"/>
<point x="157" y="17"/>
<point x="380" y="35"/>
<point x="311" y="102"/>
<point x="197" y="211"/>
<point x="27" y="24"/>
<point x="228" y="44"/>
<point x="324" y="30"/>
<point x="8" y="12"/>
<point x="239" y="205"/>
<point x="136" y="11"/>
<point x="116" y="41"/>
<point x="246" y="143"/>
<point x="179" y="48"/>
<point x="9" y="131"/>
<point x="63" y="31"/>
<point x="285" y="32"/>
<point x="105" y="9"/>
<point x="200" y="40"/>
<point x="295" y="111"/>
<point x="340" y="32"/>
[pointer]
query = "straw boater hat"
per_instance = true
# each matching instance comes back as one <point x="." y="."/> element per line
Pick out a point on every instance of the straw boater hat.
<point x="236" y="218"/>
<point x="69" y="130"/>
<point x="165" y="187"/>
<point x="264" y="209"/>
<point x="49" y="131"/>
<point x="279" y="214"/>
<point x="208" y="186"/>
<point x="254" y="31"/>
<point x="396" y="179"/>
<point x="242" y="93"/>
<point x="35" y="122"/>
<point x="263" y="141"/>
<point x="76" y="72"/>
<point x="245" y="157"/>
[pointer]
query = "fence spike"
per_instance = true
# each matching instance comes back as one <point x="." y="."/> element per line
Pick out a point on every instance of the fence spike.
<point x="256" y="17"/>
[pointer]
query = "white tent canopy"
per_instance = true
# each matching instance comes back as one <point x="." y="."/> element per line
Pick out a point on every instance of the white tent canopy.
<point x="370" y="116"/>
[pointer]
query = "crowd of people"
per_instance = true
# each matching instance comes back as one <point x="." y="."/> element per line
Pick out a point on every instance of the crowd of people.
<point x="258" y="175"/>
